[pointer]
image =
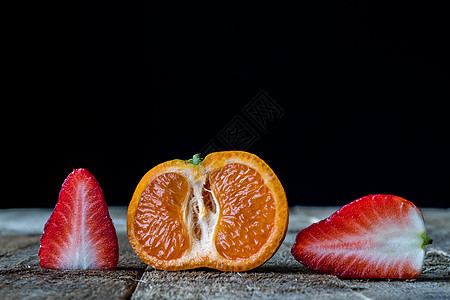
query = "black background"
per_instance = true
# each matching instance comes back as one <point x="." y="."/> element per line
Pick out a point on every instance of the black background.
<point x="118" y="88"/>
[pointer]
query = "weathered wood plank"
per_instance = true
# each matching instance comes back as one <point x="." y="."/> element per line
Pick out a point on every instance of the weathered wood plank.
<point x="10" y="243"/>
<point x="21" y="277"/>
<point x="282" y="276"/>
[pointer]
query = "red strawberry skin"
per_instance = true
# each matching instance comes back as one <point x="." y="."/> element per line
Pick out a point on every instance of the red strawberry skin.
<point x="79" y="233"/>
<point x="376" y="236"/>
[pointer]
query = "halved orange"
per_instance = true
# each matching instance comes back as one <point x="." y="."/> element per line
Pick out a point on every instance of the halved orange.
<point x="228" y="212"/>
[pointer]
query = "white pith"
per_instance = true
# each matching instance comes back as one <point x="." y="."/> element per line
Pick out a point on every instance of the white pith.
<point x="206" y="219"/>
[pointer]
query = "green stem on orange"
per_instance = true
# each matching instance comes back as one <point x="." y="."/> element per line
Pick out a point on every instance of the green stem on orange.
<point x="195" y="160"/>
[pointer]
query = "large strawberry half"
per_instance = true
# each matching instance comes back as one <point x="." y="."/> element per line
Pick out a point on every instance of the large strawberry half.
<point x="376" y="236"/>
<point x="79" y="233"/>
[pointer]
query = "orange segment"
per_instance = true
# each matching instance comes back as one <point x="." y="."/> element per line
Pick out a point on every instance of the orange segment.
<point x="227" y="212"/>
<point x="159" y="226"/>
<point x="247" y="210"/>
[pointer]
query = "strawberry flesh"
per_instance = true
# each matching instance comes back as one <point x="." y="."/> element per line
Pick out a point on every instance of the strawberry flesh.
<point x="79" y="233"/>
<point x="376" y="236"/>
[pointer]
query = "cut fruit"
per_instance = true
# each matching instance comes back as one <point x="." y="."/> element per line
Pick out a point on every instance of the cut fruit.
<point x="228" y="212"/>
<point x="79" y="233"/>
<point x="376" y="236"/>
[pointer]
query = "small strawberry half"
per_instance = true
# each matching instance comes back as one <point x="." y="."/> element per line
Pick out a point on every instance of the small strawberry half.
<point x="79" y="233"/>
<point x="376" y="236"/>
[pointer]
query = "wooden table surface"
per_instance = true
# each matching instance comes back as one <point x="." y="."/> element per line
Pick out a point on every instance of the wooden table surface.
<point x="280" y="277"/>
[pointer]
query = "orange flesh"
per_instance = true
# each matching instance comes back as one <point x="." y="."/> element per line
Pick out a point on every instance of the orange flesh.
<point x="159" y="223"/>
<point x="247" y="213"/>
<point x="247" y="210"/>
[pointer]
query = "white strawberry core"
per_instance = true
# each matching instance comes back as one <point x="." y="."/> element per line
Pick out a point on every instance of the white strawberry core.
<point x="80" y="249"/>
